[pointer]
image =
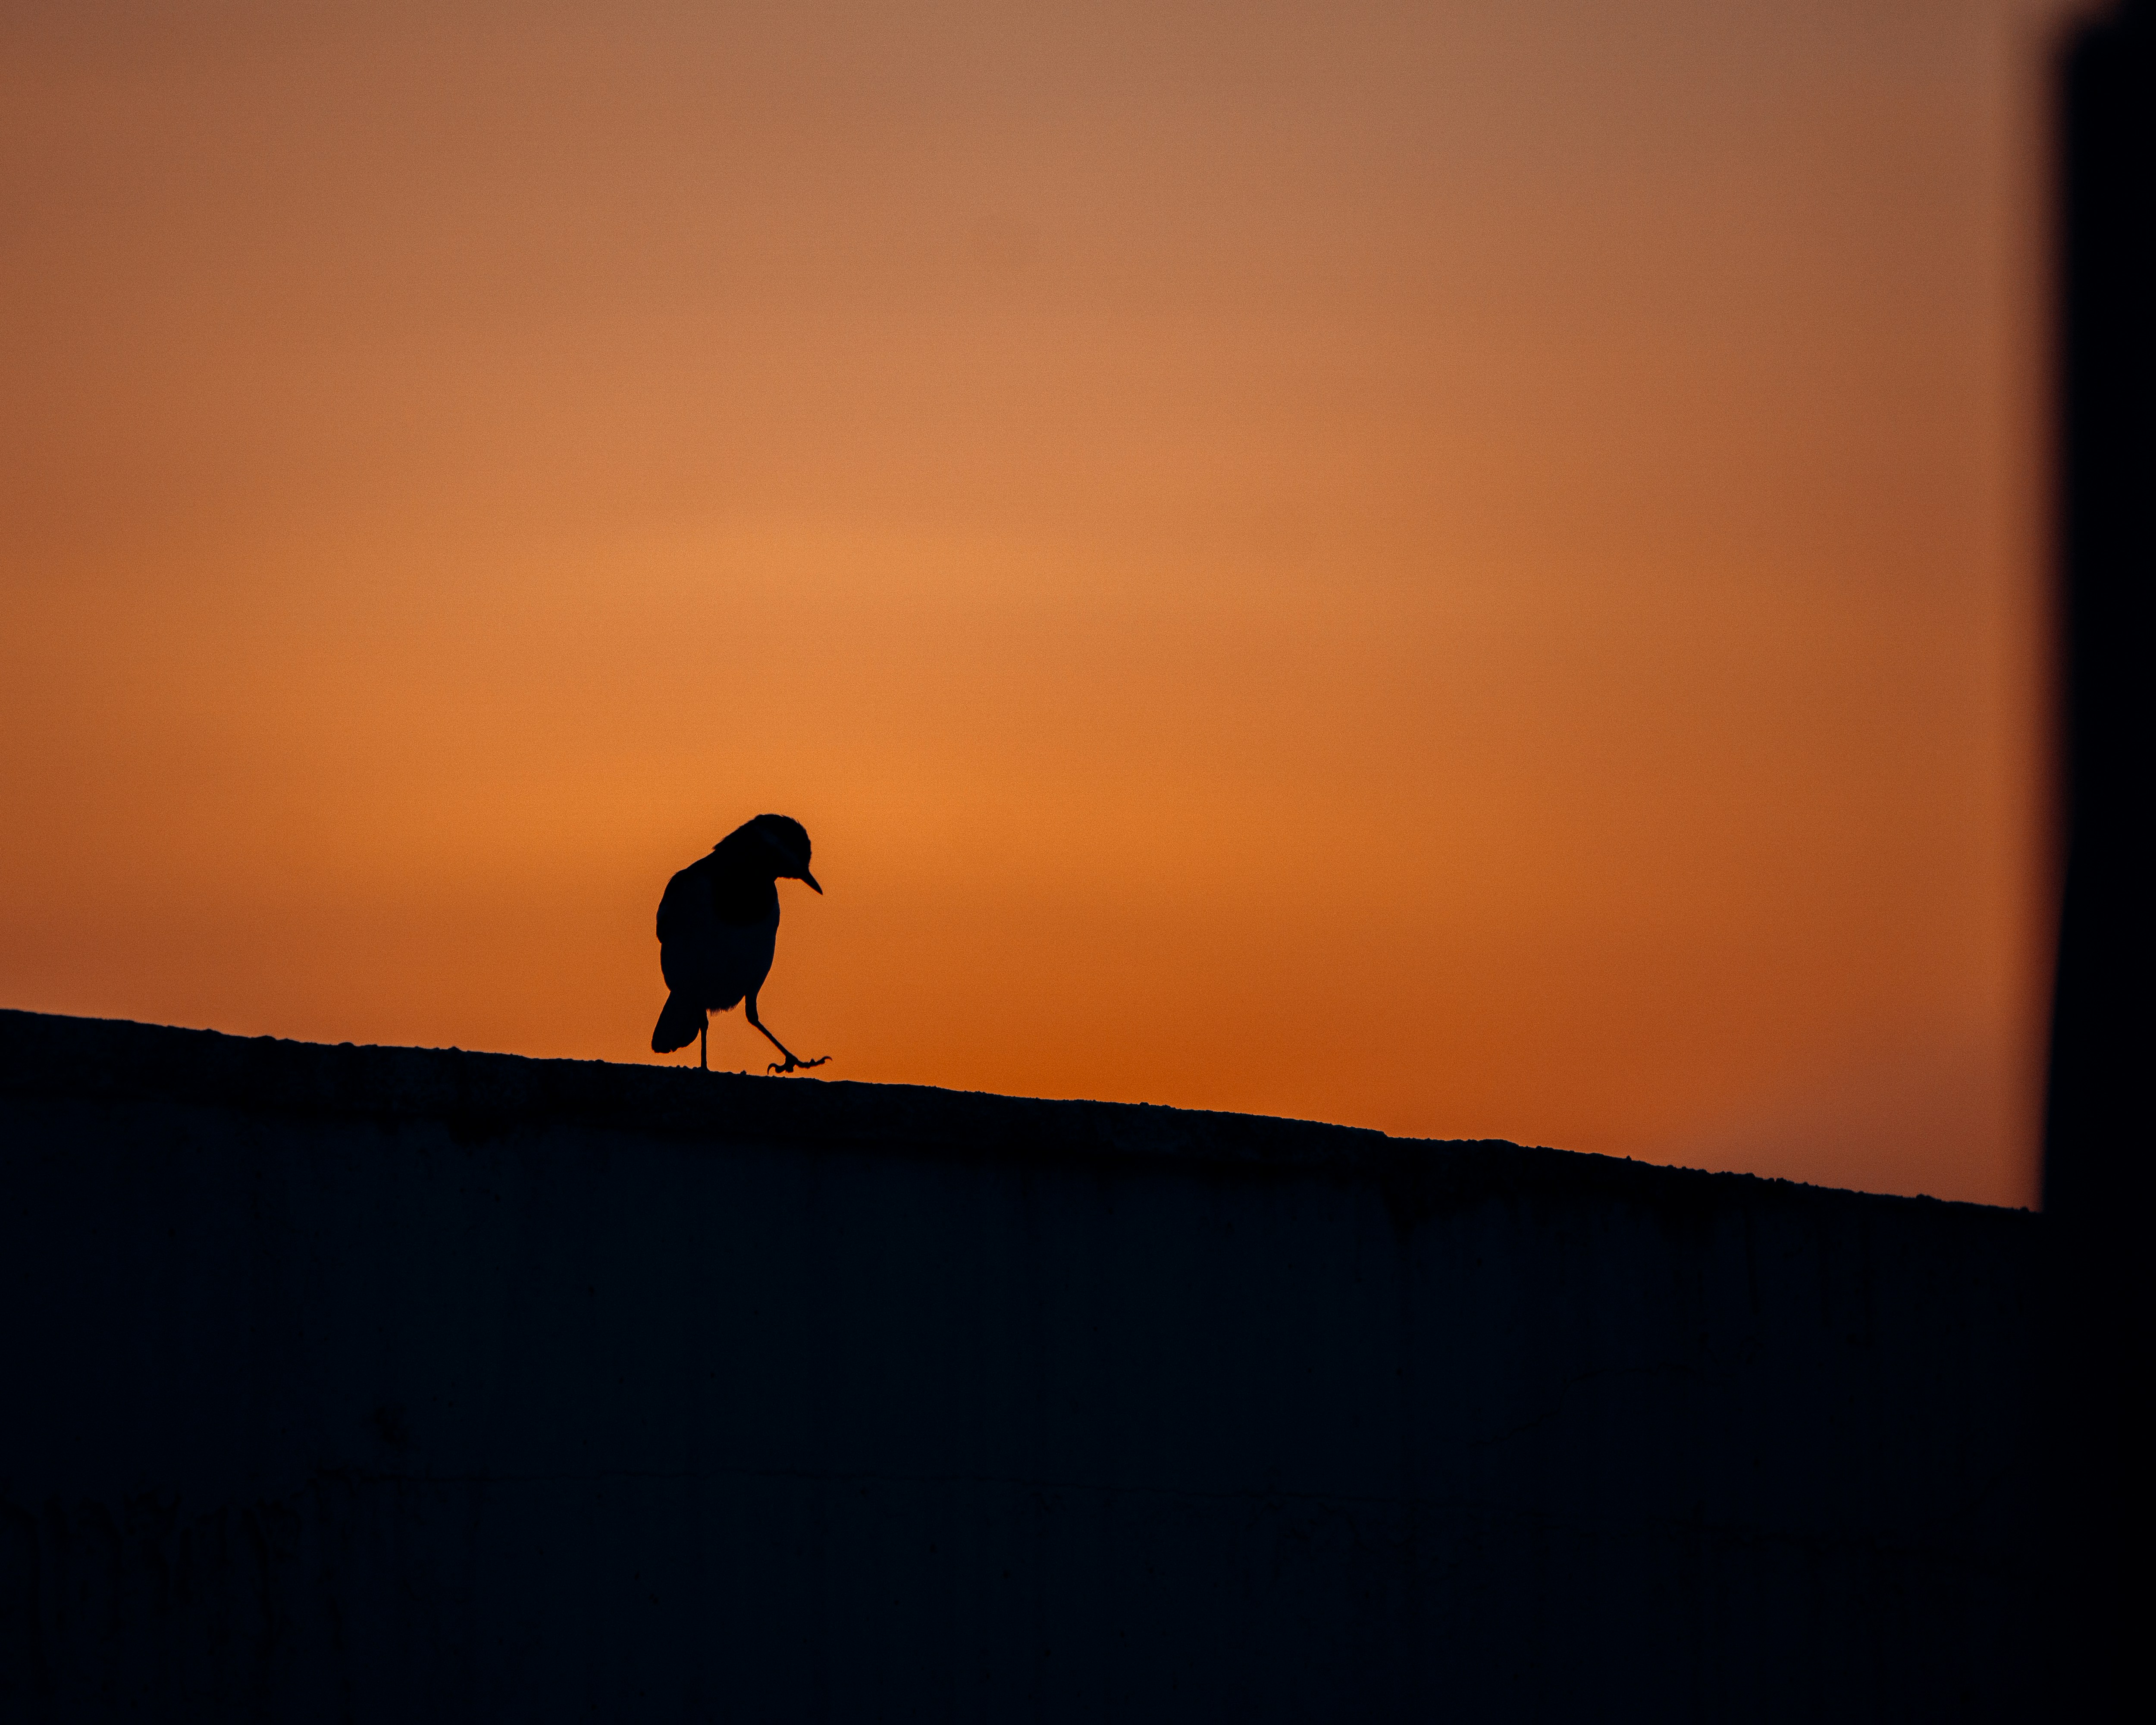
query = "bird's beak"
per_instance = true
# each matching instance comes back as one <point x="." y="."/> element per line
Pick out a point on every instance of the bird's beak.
<point x="811" y="880"/>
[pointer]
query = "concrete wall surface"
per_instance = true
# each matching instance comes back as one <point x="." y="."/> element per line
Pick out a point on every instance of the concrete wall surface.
<point x="397" y="1384"/>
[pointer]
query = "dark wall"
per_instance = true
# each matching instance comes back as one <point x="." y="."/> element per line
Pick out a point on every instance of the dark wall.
<point x="389" y="1383"/>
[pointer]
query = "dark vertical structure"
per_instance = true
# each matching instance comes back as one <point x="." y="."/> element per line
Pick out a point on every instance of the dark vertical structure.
<point x="2097" y="1142"/>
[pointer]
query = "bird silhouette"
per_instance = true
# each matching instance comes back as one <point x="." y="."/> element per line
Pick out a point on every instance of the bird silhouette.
<point x="718" y="924"/>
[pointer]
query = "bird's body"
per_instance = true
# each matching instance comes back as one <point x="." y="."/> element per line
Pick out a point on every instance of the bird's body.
<point x="716" y="940"/>
<point x="718" y="927"/>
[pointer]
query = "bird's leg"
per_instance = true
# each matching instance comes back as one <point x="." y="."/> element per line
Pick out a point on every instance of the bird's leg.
<point x="704" y="1046"/>
<point x="792" y="1064"/>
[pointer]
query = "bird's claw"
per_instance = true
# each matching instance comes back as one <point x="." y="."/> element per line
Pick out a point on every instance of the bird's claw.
<point x="791" y="1064"/>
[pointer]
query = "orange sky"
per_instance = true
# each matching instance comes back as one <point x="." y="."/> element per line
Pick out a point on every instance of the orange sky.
<point x="1471" y="569"/>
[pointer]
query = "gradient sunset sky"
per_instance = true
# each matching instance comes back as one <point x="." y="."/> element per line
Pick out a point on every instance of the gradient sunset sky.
<point x="1475" y="569"/>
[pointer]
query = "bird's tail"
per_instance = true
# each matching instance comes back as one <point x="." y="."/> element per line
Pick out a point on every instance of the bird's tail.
<point x="679" y="1023"/>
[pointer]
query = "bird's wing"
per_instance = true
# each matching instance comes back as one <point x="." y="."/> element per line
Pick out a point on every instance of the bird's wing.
<point x="681" y="901"/>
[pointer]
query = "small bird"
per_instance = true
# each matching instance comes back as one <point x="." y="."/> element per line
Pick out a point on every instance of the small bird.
<point x="718" y="923"/>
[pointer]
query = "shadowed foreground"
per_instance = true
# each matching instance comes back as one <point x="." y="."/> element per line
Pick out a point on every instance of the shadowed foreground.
<point x="384" y="1382"/>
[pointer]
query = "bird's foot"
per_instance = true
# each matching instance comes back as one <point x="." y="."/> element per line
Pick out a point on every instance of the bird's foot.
<point x="791" y="1064"/>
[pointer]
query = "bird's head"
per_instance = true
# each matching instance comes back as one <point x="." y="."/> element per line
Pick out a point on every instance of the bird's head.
<point x="787" y="843"/>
